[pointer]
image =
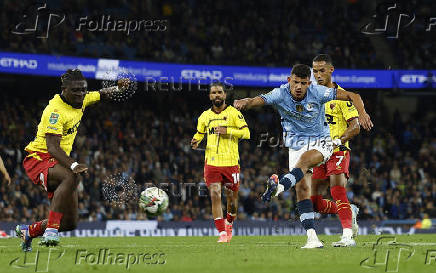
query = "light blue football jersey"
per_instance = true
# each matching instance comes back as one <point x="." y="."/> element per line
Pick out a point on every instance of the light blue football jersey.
<point x="303" y="121"/>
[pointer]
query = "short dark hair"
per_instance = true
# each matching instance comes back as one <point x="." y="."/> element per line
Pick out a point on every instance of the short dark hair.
<point x="323" y="58"/>
<point x="301" y="70"/>
<point x="217" y="83"/>
<point x="72" y="75"/>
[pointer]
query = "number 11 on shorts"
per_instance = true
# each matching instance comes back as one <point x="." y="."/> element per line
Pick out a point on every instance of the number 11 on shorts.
<point x="235" y="178"/>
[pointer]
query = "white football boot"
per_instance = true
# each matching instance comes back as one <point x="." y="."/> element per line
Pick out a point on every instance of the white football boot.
<point x="312" y="240"/>
<point x="346" y="239"/>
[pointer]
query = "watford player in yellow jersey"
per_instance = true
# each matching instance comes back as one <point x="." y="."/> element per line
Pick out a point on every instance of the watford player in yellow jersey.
<point x="342" y="118"/>
<point x="48" y="162"/>
<point x="224" y="127"/>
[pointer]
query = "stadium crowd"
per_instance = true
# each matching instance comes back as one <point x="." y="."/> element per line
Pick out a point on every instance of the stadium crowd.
<point x="273" y="33"/>
<point x="392" y="168"/>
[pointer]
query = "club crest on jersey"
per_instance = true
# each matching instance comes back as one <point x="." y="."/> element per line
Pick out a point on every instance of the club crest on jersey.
<point x="54" y="117"/>
<point x="309" y="107"/>
<point x="332" y="105"/>
<point x="299" y="107"/>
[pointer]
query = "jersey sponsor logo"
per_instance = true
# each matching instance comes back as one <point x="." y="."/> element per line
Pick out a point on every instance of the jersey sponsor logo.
<point x="211" y="130"/>
<point x="54" y="117"/>
<point x="73" y="129"/>
<point x="329" y="119"/>
<point x="297" y="116"/>
<point x="52" y="128"/>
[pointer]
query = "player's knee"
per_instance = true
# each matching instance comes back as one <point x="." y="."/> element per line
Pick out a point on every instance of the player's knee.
<point x="215" y="194"/>
<point x="302" y="187"/>
<point x="72" y="179"/>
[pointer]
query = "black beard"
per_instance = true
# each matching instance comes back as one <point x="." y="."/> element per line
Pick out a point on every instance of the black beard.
<point x="217" y="103"/>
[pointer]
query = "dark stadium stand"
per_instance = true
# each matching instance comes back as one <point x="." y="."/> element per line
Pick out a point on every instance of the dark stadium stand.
<point x="265" y="35"/>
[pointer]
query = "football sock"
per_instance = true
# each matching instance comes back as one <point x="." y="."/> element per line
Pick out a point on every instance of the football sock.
<point x="54" y="219"/>
<point x="348" y="232"/>
<point x="230" y="217"/>
<point x="339" y="193"/>
<point x="219" y="224"/>
<point x="36" y="229"/>
<point x="290" y="179"/>
<point x="305" y="209"/>
<point x="323" y="205"/>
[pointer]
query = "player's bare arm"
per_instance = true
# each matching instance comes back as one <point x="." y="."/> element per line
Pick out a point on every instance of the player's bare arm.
<point x="194" y="143"/>
<point x="4" y="171"/>
<point x="248" y="103"/>
<point x="122" y="85"/>
<point x="364" y="118"/>
<point x="352" y="130"/>
<point x="55" y="150"/>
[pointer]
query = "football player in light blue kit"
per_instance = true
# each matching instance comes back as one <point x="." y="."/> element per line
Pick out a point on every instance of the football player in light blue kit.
<point x="306" y="134"/>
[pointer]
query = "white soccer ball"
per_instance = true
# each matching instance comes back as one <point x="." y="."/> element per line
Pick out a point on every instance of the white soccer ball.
<point x="153" y="201"/>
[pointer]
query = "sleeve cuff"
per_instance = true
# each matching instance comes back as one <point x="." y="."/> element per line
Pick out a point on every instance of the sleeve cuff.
<point x="264" y="98"/>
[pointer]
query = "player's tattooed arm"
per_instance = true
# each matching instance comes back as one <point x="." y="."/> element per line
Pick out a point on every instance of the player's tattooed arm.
<point x="364" y="118"/>
<point x="352" y="130"/>
<point x="108" y="92"/>
<point x="4" y="171"/>
<point x="54" y="149"/>
<point x="247" y="103"/>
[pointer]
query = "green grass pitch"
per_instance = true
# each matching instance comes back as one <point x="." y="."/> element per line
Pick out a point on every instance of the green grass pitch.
<point x="414" y="253"/>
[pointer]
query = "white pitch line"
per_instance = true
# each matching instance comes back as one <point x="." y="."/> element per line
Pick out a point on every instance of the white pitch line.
<point x="208" y="245"/>
<point x="419" y="244"/>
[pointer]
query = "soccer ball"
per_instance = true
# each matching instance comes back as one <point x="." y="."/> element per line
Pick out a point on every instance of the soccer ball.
<point x="153" y="201"/>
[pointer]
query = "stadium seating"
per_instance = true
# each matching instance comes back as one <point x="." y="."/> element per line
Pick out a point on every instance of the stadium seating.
<point x="391" y="169"/>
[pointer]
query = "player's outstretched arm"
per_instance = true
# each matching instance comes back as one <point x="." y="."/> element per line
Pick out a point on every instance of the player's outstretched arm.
<point x="4" y="171"/>
<point x="108" y="92"/>
<point x="55" y="150"/>
<point x="247" y="103"/>
<point x="364" y="118"/>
